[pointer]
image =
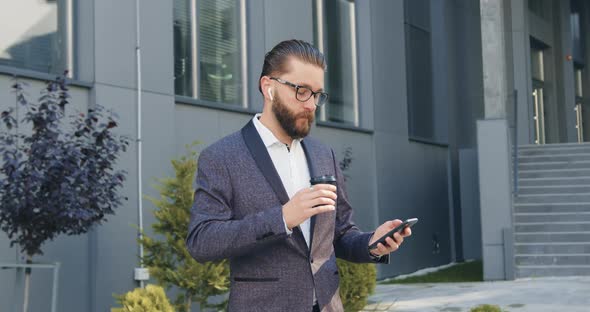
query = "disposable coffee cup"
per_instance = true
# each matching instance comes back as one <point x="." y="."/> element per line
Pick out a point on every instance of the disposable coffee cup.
<point x="325" y="179"/>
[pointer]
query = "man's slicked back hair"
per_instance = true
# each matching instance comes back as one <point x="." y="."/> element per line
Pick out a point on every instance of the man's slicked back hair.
<point x="275" y="60"/>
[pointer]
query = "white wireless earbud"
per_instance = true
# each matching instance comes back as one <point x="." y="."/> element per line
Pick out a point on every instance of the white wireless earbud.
<point x="270" y="94"/>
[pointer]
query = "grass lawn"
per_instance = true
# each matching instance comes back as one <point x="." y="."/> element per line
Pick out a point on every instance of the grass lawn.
<point x="463" y="272"/>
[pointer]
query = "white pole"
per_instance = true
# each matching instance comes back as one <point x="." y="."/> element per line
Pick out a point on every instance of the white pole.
<point x="139" y="145"/>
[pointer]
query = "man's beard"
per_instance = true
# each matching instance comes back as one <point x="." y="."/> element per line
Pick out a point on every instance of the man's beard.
<point x="288" y="120"/>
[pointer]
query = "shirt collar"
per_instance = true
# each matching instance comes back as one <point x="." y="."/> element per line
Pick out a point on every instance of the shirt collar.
<point x="268" y="138"/>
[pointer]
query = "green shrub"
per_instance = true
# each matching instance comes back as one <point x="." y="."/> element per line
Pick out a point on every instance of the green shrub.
<point x="166" y="255"/>
<point x="486" y="308"/>
<point x="357" y="282"/>
<point x="149" y="299"/>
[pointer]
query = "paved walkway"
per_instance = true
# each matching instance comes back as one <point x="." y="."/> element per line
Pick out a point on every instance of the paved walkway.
<point x="547" y="294"/>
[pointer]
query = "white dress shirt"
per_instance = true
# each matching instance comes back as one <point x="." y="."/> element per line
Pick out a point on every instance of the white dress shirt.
<point x="290" y="164"/>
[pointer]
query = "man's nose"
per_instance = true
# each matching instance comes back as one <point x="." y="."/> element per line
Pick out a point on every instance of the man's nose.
<point x="309" y="105"/>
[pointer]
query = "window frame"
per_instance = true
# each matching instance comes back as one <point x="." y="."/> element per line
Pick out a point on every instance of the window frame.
<point x="65" y="8"/>
<point x="319" y="33"/>
<point x="415" y="129"/>
<point x="241" y="106"/>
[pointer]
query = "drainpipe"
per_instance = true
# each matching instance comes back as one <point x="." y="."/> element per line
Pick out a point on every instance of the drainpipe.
<point x="141" y="274"/>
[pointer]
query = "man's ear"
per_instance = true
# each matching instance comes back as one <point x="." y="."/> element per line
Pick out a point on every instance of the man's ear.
<point x="266" y="87"/>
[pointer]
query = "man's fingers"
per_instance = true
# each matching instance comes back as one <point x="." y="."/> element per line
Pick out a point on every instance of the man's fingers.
<point x="389" y="248"/>
<point x="320" y="209"/>
<point x="382" y="249"/>
<point x="328" y="187"/>
<point x="391" y="244"/>
<point x="320" y="201"/>
<point x="398" y="238"/>
<point x="323" y="193"/>
<point x="393" y="223"/>
<point x="315" y="193"/>
<point x="317" y="187"/>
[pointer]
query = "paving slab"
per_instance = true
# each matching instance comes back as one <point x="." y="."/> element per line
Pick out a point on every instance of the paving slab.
<point x="545" y="294"/>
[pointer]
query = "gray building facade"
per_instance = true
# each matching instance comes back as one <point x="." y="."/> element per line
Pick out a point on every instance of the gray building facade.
<point x="407" y="83"/>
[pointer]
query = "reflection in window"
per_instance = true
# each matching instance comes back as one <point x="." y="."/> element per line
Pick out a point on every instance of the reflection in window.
<point x="578" y="71"/>
<point x="577" y="31"/>
<point x="537" y="64"/>
<point x="209" y="68"/>
<point x="581" y="107"/>
<point x="32" y="36"/>
<point x="338" y="44"/>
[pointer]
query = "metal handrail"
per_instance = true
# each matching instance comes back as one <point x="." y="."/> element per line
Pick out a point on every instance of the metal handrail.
<point x="19" y="268"/>
<point x="515" y="149"/>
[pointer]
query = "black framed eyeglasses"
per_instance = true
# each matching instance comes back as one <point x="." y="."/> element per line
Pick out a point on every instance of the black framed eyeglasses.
<point x="302" y="94"/>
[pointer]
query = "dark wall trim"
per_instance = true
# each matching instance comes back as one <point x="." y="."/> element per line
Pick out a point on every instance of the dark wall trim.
<point x="26" y="73"/>
<point x="247" y="111"/>
<point x="427" y="141"/>
<point x="214" y="105"/>
<point x="335" y="125"/>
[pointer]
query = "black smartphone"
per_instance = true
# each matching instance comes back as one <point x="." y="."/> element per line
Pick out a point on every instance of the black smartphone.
<point x="407" y="223"/>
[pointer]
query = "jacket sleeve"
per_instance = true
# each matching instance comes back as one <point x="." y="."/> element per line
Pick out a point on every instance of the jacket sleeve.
<point x="349" y="242"/>
<point x="213" y="233"/>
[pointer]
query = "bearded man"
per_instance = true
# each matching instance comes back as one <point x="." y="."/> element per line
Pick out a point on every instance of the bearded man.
<point x="254" y="203"/>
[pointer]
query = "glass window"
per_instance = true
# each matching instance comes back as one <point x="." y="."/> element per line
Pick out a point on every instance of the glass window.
<point x="34" y="35"/>
<point x="419" y="80"/>
<point x="575" y="25"/>
<point x="335" y="31"/>
<point x="581" y="105"/>
<point x="421" y="115"/>
<point x="578" y="32"/>
<point x="537" y="64"/>
<point x="578" y="71"/>
<point x="208" y="50"/>
<point x="539" y="8"/>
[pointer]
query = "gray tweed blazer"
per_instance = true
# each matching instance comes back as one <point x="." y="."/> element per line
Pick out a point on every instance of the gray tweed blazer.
<point x="237" y="214"/>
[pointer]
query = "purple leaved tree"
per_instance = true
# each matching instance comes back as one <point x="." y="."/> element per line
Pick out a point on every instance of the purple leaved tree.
<point x="57" y="173"/>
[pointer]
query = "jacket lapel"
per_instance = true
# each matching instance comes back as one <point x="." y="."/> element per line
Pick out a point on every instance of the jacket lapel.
<point x="312" y="173"/>
<point x="263" y="161"/>
<point x="265" y="165"/>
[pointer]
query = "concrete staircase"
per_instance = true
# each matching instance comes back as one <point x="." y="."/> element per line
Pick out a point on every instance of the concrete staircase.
<point x="552" y="211"/>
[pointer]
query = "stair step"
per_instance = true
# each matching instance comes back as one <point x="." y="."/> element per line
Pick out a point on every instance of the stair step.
<point x="554" y="145"/>
<point x="552" y="270"/>
<point x="552" y="259"/>
<point x="554" y="173"/>
<point x="553" y="149"/>
<point x="552" y="248"/>
<point x="554" y="165"/>
<point x="554" y="189"/>
<point x="553" y="181"/>
<point x="559" y="226"/>
<point x="552" y="198"/>
<point x="552" y="210"/>
<point x="553" y="152"/>
<point x="549" y="208"/>
<point x="541" y="237"/>
<point x="528" y="217"/>
<point x="552" y="158"/>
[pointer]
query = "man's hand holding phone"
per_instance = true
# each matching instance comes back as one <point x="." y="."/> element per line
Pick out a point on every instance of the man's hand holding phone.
<point x="389" y="236"/>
